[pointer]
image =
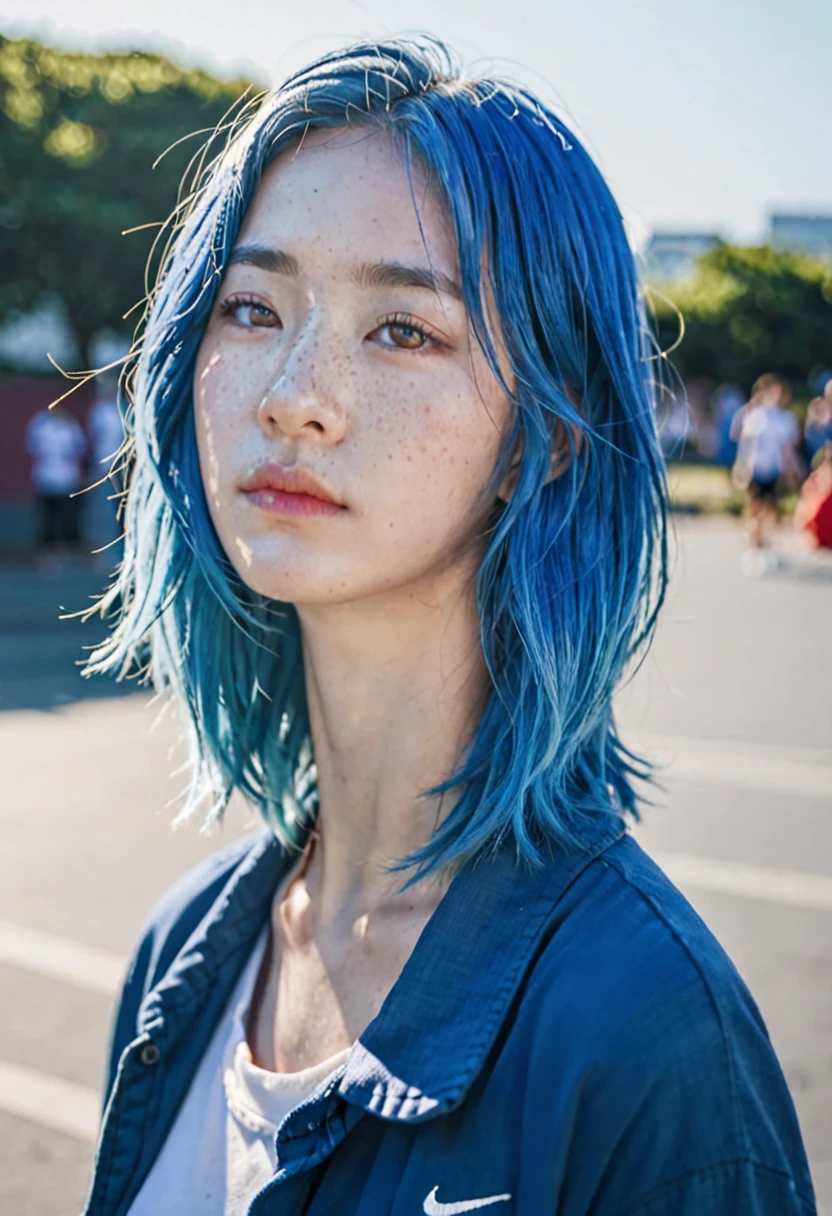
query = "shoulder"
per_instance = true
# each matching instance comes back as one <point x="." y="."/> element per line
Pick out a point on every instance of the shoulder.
<point x="645" y="964"/>
<point x="185" y="903"/>
<point x="669" y="1059"/>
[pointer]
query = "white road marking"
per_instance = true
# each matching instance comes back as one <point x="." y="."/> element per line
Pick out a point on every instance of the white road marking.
<point x="51" y="1102"/>
<point x="796" y="888"/>
<point x="60" y="959"/>
<point x="793" y="772"/>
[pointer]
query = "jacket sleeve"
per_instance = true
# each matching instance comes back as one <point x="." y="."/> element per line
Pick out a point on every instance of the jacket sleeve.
<point x="676" y="1104"/>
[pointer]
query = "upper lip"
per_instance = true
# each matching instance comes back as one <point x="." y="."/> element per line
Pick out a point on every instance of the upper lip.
<point x="294" y="480"/>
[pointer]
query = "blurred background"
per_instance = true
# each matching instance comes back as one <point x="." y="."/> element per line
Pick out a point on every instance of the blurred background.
<point x="713" y="124"/>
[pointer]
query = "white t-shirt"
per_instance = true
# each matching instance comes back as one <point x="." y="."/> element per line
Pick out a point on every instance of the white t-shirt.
<point x="220" y="1151"/>
<point x="56" y="444"/>
<point x="766" y="434"/>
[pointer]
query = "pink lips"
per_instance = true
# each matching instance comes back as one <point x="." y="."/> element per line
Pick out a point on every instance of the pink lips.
<point x="290" y="491"/>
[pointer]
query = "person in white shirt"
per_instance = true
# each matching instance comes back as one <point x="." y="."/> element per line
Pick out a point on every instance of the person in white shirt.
<point x="56" y="444"/>
<point x="767" y="436"/>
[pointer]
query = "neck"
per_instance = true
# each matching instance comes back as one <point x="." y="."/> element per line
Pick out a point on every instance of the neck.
<point x="395" y="690"/>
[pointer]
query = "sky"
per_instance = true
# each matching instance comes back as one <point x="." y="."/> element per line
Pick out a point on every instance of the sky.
<point x="703" y="114"/>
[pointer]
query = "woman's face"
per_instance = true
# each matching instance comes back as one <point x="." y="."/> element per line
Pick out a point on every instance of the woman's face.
<point x="347" y="422"/>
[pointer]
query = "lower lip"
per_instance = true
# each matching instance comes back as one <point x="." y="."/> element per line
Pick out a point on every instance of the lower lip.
<point x="278" y="502"/>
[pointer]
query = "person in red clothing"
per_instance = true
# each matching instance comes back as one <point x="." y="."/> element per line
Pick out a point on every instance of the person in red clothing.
<point x="814" y="510"/>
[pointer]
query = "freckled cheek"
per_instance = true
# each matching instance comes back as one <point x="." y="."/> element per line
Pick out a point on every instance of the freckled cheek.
<point x="218" y="429"/>
<point x="439" y="433"/>
<point x="435" y="443"/>
<point x="225" y="398"/>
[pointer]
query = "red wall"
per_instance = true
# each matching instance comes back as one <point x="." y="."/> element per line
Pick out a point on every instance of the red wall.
<point x="20" y="398"/>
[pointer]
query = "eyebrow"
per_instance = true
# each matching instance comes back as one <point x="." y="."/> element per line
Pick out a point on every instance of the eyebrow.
<point x="397" y="274"/>
<point x="368" y="274"/>
<point x="274" y="260"/>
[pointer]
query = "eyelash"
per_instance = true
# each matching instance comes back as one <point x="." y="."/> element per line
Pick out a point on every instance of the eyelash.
<point x="404" y="320"/>
<point x="228" y="306"/>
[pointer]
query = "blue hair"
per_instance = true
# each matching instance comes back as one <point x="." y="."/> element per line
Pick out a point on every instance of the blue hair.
<point x="575" y="566"/>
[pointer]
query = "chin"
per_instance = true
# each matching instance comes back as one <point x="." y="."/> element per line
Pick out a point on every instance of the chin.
<point x="286" y="587"/>
<point x="282" y="569"/>
<point x="295" y="579"/>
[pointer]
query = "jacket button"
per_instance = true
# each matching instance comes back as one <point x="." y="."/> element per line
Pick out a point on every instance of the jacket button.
<point x="149" y="1054"/>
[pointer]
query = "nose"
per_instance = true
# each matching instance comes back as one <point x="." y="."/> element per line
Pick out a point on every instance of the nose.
<point x="305" y="399"/>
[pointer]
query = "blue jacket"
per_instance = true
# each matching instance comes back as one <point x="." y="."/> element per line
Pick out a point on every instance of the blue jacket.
<point x="571" y="1040"/>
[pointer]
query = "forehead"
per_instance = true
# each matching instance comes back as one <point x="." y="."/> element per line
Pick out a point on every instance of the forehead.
<point x="351" y="194"/>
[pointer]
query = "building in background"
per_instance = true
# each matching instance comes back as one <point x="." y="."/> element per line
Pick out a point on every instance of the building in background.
<point x="671" y="256"/>
<point x="811" y="234"/>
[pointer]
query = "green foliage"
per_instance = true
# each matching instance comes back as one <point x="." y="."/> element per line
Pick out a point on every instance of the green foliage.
<point x="78" y="137"/>
<point x="749" y="311"/>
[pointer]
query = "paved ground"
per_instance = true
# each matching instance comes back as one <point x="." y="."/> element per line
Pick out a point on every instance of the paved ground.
<point x="734" y="701"/>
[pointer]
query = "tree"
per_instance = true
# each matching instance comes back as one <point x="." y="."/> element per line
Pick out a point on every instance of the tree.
<point x="78" y="137"/>
<point x="747" y="311"/>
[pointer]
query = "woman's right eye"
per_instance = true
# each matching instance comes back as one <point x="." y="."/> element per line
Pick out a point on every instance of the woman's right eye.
<point x="249" y="313"/>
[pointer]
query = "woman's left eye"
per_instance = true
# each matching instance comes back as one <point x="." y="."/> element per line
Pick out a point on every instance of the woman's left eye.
<point x="402" y="333"/>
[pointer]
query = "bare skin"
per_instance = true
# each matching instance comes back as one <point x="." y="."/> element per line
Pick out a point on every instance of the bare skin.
<point x="372" y="384"/>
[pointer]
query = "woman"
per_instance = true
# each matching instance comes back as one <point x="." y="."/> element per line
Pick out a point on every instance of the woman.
<point x="395" y="526"/>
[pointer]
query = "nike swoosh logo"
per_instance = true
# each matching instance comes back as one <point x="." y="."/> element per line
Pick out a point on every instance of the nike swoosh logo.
<point x="432" y="1206"/>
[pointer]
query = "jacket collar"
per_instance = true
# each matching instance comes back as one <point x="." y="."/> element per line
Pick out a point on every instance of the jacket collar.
<point x="419" y="1056"/>
<point x="216" y="952"/>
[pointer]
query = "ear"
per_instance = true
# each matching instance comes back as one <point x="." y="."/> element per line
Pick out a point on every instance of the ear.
<point x="562" y="453"/>
<point x="569" y="440"/>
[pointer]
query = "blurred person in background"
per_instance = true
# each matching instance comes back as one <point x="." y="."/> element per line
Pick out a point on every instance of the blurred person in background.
<point x="767" y="438"/>
<point x="726" y="401"/>
<point x="56" y="445"/>
<point x="813" y="514"/>
<point x="817" y="429"/>
<point x="396" y="526"/>
<point x="106" y="434"/>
